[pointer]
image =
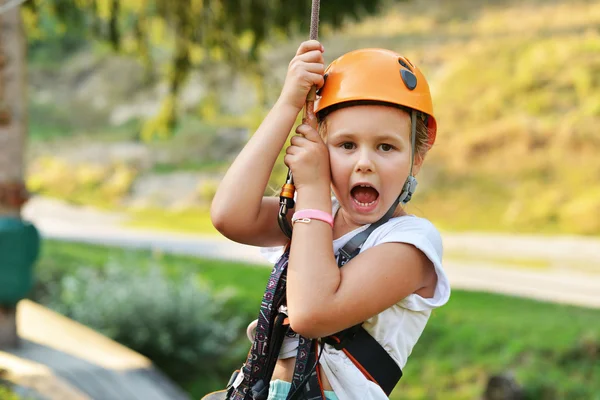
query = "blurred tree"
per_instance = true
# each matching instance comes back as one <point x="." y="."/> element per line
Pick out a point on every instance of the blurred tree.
<point x="19" y="241"/>
<point x="190" y="33"/>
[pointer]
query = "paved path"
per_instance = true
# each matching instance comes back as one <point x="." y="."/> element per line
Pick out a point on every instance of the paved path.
<point x="64" y="360"/>
<point x="558" y="284"/>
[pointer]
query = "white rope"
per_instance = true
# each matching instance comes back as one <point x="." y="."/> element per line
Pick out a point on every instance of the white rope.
<point x="11" y="4"/>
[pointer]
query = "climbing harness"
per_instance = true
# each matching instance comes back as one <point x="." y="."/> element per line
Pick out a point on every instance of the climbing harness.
<point x="253" y="380"/>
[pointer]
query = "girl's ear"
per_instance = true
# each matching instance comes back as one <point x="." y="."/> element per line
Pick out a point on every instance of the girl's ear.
<point x="417" y="163"/>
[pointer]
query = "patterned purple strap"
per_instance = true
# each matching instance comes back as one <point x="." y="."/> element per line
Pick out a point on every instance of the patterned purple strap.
<point x="307" y="354"/>
<point x="306" y="360"/>
<point x="255" y="365"/>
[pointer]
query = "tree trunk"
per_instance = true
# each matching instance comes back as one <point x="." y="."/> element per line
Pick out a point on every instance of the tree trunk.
<point x="13" y="130"/>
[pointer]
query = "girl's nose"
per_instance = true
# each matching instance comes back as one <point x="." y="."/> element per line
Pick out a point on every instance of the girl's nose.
<point x="364" y="163"/>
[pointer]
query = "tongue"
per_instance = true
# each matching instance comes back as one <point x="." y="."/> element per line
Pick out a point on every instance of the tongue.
<point x="364" y="194"/>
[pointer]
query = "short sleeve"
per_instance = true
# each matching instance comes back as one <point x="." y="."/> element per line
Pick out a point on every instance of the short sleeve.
<point x="420" y="233"/>
<point x="272" y="254"/>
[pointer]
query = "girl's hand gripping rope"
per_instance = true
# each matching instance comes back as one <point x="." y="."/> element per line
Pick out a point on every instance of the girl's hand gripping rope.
<point x="305" y="75"/>
<point x="308" y="159"/>
<point x="305" y="71"/>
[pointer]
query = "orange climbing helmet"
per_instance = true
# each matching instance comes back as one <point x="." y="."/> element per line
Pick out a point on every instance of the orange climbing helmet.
<point x="377" y="75"/>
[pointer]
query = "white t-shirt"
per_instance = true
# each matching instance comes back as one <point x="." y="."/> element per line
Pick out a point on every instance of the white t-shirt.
<point x="397" y="328"/>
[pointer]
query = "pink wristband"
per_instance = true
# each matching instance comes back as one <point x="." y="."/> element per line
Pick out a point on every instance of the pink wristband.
<point x="310" y="214"/>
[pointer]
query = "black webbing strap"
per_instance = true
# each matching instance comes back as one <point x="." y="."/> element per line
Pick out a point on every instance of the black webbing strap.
<point x="351" y="249"/>
<point x="368" y="356"/>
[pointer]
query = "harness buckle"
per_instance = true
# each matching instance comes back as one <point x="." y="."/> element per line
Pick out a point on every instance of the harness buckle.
<point x="341" y="339"/>
<point x="345" y="254"/>
<point x="236" y="379"/>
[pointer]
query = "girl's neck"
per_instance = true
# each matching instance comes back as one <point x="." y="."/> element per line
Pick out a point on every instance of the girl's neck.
<point x="342" y="224"/>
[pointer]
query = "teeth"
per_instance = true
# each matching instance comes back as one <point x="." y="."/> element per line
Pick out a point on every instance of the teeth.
<point x="364" y="204"/>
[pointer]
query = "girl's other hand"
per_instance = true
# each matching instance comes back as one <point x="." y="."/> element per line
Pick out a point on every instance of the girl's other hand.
<point x="305" y="71"/>
<point x="308" y="159"/>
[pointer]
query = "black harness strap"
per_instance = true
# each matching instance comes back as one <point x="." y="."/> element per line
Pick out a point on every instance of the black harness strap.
<point x="352" y="248"/>
<point x="368" y="356"/>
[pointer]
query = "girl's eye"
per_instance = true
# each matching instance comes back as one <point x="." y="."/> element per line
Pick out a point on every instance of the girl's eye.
<point x="348" y="146"/>
<point x="386" y="147"/>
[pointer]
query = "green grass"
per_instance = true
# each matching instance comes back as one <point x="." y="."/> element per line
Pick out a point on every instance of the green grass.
<point x="553" y="350"/>
<point x="479" y="334"/>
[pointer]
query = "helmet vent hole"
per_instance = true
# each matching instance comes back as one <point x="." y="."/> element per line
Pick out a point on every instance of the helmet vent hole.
<point x="404" y="64"/>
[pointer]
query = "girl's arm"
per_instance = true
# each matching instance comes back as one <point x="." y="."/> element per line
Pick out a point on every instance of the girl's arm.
<point x="239" y="211"/>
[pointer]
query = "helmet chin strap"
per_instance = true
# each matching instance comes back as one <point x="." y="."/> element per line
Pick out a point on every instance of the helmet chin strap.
<point x="411" y="182"/>
<point x="410" y="186"/>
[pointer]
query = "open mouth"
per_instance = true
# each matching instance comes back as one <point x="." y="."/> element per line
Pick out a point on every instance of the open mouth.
<point x="364" y="194"/>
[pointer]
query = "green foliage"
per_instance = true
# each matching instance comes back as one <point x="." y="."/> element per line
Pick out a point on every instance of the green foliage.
<point x="161" y="125"/>
<point x="61" y="259"/>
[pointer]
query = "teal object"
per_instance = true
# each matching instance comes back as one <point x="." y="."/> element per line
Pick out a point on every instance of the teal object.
<point x="19" y="249"/>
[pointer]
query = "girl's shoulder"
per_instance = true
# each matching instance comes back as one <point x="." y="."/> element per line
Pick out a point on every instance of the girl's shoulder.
<point x="423" y="235"/>
<point x="408" y="228"/>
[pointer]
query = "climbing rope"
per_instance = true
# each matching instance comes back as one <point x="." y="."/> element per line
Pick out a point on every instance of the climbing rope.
<point x="286" y="197"/>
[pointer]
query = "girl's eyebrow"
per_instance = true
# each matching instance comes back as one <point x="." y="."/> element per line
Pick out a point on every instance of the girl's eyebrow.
<point x="377" y="136"/>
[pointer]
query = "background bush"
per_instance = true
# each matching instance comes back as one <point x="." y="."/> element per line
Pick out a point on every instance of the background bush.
<point x="177" y="321"/>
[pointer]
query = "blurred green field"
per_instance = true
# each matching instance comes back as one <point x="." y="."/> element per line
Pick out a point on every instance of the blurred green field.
<point x="553" y="350"/>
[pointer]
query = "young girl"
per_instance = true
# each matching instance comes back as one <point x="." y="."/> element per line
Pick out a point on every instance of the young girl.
<point x="375" y="126"/>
